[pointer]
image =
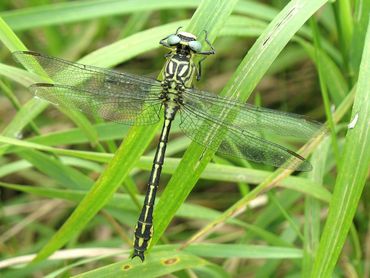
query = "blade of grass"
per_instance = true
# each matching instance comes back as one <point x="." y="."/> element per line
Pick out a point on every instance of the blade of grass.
<point x="351" y="177"/>
<point x="344" y="21"/>
<point x="20" y="76"/>
<point x="213" y="171"/>
<point x="68" y="12"/>
<point x="9" y="39"/>
<point x="63" y="174"/>
<point x="158" y="264"/>
<point x="338" y="89"/>
<point x="106" y="131"/>
<point x="292" y="223"/>
<point x="135" y="23"/>
<point x="31" y="110"/>
<point x="212" y="250"/>
<point x="361" y="18"/>
<point x="323" y="80"/>
<point x="24" y="116"/>
<point x="312" y="209"/>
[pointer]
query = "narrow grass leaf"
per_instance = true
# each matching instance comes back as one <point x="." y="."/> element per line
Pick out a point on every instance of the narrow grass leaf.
<point x="212" y="250"/>
<point x="338" y="89"/>
<point x="55" y="169"/>
<point x="59" y="13"/>
<point x="20" y="76"/>
<point x="361" y="18"/>
<point x="105" y="132"/>
<point x="352" y="176"/>
<point x="8" y="38"/>
<point x="159" y="263"/>
<point x="312" y="208"/>
<point x="121" y="201"/>
<point x="212" y="171"/>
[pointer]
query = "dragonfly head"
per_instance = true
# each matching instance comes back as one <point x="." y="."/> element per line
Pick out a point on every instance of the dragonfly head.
<point x="186" y="40"/>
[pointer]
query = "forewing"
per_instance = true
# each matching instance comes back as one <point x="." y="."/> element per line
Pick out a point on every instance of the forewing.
<point x="257" y="120"/>
<point x="113" y="107"/>
<point x="120" y="97"/>
<point x="89" y="78"/>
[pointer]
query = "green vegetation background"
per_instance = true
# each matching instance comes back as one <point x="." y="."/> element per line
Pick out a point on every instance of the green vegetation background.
<point x="71" y="182"/>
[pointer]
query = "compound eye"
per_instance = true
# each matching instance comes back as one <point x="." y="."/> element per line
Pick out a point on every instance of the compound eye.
<point x="173" y="40"/>
<point x="195" y="46"/>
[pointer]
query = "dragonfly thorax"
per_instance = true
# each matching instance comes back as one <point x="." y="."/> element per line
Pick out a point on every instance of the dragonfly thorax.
<point x="180" y="69"/>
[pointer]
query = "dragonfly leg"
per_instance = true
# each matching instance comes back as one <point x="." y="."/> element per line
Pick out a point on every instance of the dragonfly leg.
<point x="199" y="68"/>
<point x="205" y="53"/>
<point x="208" y="52"/>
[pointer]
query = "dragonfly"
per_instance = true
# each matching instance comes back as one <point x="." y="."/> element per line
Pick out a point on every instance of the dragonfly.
<point x="229" y="127"/>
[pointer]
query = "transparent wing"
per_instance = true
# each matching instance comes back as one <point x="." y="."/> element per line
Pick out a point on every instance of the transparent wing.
<point x="111" y="107"/>
<point x="257" y="120"/>
<point x="241" y="133"/>
<point x="120" y="97"/>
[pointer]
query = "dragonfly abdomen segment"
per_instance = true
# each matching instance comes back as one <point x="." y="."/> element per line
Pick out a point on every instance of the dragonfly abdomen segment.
<point x="144" y="228"/>
<point x="179" y="72"/>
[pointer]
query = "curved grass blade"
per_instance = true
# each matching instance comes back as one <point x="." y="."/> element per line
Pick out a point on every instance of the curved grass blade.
<point x="158" y="264"/>
<point x="352" y="175"/>
<point x="212" y="171"/>
<point x="69" y="12"/>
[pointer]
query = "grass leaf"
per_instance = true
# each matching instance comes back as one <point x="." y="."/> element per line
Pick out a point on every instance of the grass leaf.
<point x="352" y="176"/>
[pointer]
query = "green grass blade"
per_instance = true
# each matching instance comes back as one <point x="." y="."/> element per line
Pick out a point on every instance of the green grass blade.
<point x="122" y="50"/>
<point x="68" y="12"/>
<point x="24" y="116"/>
<point x="212" y="250"/>
<point x="124" y="202"/>
<point x="344" y="20"/>
<point x="338" y="89"/>
<point x="9" y="39"/>
<point x="20" y="76"/>
<point x="361" y="18"/>
<point x="312" y="209"/>
<point x="64" y="175"/>
<point x="323" y="81"/>
<point x="157" y="264"/>
<point x="213" y="171"/>
<point x="83" y="10"/>
<point x="105" y="132"/>
<point x="240" y="86"/>
<point x="352" y="175"/>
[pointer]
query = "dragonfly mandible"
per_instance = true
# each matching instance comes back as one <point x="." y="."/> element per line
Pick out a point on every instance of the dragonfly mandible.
<point x="135" y="100"/>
